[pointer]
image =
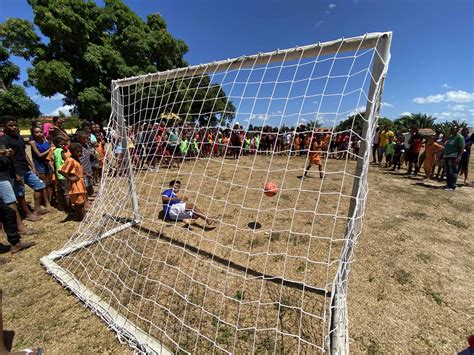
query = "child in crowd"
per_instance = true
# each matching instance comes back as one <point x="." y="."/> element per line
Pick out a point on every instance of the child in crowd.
<point x="100" y="147"/>
<point x="83" y="137"/>
<point x="316" y="146"/>
<point x="23" y="169"/>
<point x="60" y="154"/>
<point x="431" y="148"/>
<point x="389" y="150"/>
<point x="72" y="170"/>
<point x="40" y="151"/>
<point x="398" y="152"/>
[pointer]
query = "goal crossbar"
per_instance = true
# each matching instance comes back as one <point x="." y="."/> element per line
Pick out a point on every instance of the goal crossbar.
<point x="369" y="40"/>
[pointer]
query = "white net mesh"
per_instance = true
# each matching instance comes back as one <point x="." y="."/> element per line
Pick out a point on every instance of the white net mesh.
<point x="263" y="278"/>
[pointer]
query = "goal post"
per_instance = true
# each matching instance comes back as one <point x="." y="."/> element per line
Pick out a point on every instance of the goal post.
<point x="271" y="273"/>
<point x="339" y="317"/>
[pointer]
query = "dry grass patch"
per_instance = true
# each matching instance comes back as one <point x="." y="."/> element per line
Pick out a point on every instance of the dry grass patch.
<point x="410" y="289"/>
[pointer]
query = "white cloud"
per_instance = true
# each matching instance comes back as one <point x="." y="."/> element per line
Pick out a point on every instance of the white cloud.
<point x="55" y="97"/>
<point x="446" y="86"/>
<point x="258" y="117"/>
<point x="449" y="115"/>
<point x="471" y="110"/>
<point x="319" y="23"/>
<point x="451" y="96"/>
<point x="386" y="104"/>
<point x="357" y="110"/>
<point x="405" y="113"/>
<point x="332" y="6"/>
<point x="458" y="107"/>
<point x="429" y="99"/>
<point x="459" y="96"/>
<point x="64" y="109"/>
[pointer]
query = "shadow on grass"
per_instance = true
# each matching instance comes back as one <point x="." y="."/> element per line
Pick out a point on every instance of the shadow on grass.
<point x="223" y="261"/>
<point x="235" y="266"/>
<point x="404" y="175"/>
<point x="429" y="186"/>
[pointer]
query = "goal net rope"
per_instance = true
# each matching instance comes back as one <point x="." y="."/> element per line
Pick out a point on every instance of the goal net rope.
<point x="268" y="270"/>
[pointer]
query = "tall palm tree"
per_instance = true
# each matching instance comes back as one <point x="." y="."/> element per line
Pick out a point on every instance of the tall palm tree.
<point x="420" y="120"/>
<point x="313" y="124"/>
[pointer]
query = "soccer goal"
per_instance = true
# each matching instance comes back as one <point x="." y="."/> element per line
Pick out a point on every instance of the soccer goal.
<point x="270" y="274"/>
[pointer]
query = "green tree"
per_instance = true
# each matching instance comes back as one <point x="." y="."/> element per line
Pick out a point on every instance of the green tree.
<point x="419" y="120"/>
<point x="356" y="122"/>
<point x="13" y="99"/>
<point x="313" y="124"/>
<point x="445" y="127"/>
<point x="88" y="46"/>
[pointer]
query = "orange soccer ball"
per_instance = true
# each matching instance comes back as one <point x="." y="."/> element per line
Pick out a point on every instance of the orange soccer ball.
<point x="270" y="189"/>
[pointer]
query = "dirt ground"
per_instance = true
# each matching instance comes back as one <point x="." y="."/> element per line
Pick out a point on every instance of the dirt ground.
<point x="408" y="292"/>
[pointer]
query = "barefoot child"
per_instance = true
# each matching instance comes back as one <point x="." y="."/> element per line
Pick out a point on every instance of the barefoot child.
<point x="72" y="171"/>
<point x="431" y="149"/>
<point x="40" y="151"/>
<point x="316" y="146"/>
<point x="60" y="154"/>
<point x="179" y="209"/>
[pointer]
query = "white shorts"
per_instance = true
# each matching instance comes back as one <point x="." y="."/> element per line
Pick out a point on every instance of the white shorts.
<point x="178" y="212"/>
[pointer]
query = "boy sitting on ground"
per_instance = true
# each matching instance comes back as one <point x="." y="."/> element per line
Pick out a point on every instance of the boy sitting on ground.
<point x="179" y="209"/>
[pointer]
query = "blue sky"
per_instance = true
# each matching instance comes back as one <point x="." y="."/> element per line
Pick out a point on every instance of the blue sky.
<point x="432" y="65"/>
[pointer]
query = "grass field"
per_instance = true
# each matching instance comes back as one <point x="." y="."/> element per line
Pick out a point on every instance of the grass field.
<point x="409" y="291"/>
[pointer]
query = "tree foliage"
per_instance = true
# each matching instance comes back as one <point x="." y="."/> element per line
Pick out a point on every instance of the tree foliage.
<point x="313" y="124"/>
<point x="356" y="122"/>
<point x="13" y="99"/>
<point x="88" y="46"/>
<point x="445" y="127"/>
<point x="420" y="120"/>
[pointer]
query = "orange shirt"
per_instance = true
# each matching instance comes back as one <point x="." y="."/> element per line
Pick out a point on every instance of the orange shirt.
<point x="297" y="142"/>
<point x="315" y="154"/>
<point x="100" y="154"/>
<point x="72" y="167"/>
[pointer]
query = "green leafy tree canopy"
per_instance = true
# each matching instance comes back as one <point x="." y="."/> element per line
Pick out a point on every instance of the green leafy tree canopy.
<point x="13" y="99"/>
<point x="88" y="46"/>
<point x="420" y="120"/>
<point x="356" y="122"/>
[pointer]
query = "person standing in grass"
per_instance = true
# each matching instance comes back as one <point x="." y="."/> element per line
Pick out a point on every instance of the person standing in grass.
<point x="8" y="219"/>
<point x="40" y="151"/>
<point x="25" y="172"/>
<point x="60" y="154"/>
<point x="389" y="150"/>
<point x="416" y="142"/>
<point x="453" y="151"/>
<point x="464" y="162"/>
<point x="315" y="148"/>
<point x="384" y="139"/>
<point x="7" y="176"/>
<point x="83" y="138"/>
<point x="72" y="170"/>
<point x="398" y="151"/>
<point x="431" y="149"/>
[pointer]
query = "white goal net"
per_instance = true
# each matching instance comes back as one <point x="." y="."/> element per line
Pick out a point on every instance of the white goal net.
<point x="264" y="274"/>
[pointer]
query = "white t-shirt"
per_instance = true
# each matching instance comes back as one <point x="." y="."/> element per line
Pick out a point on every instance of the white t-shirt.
<point x="377" y="137"/>
<point x="406" y="139"/>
